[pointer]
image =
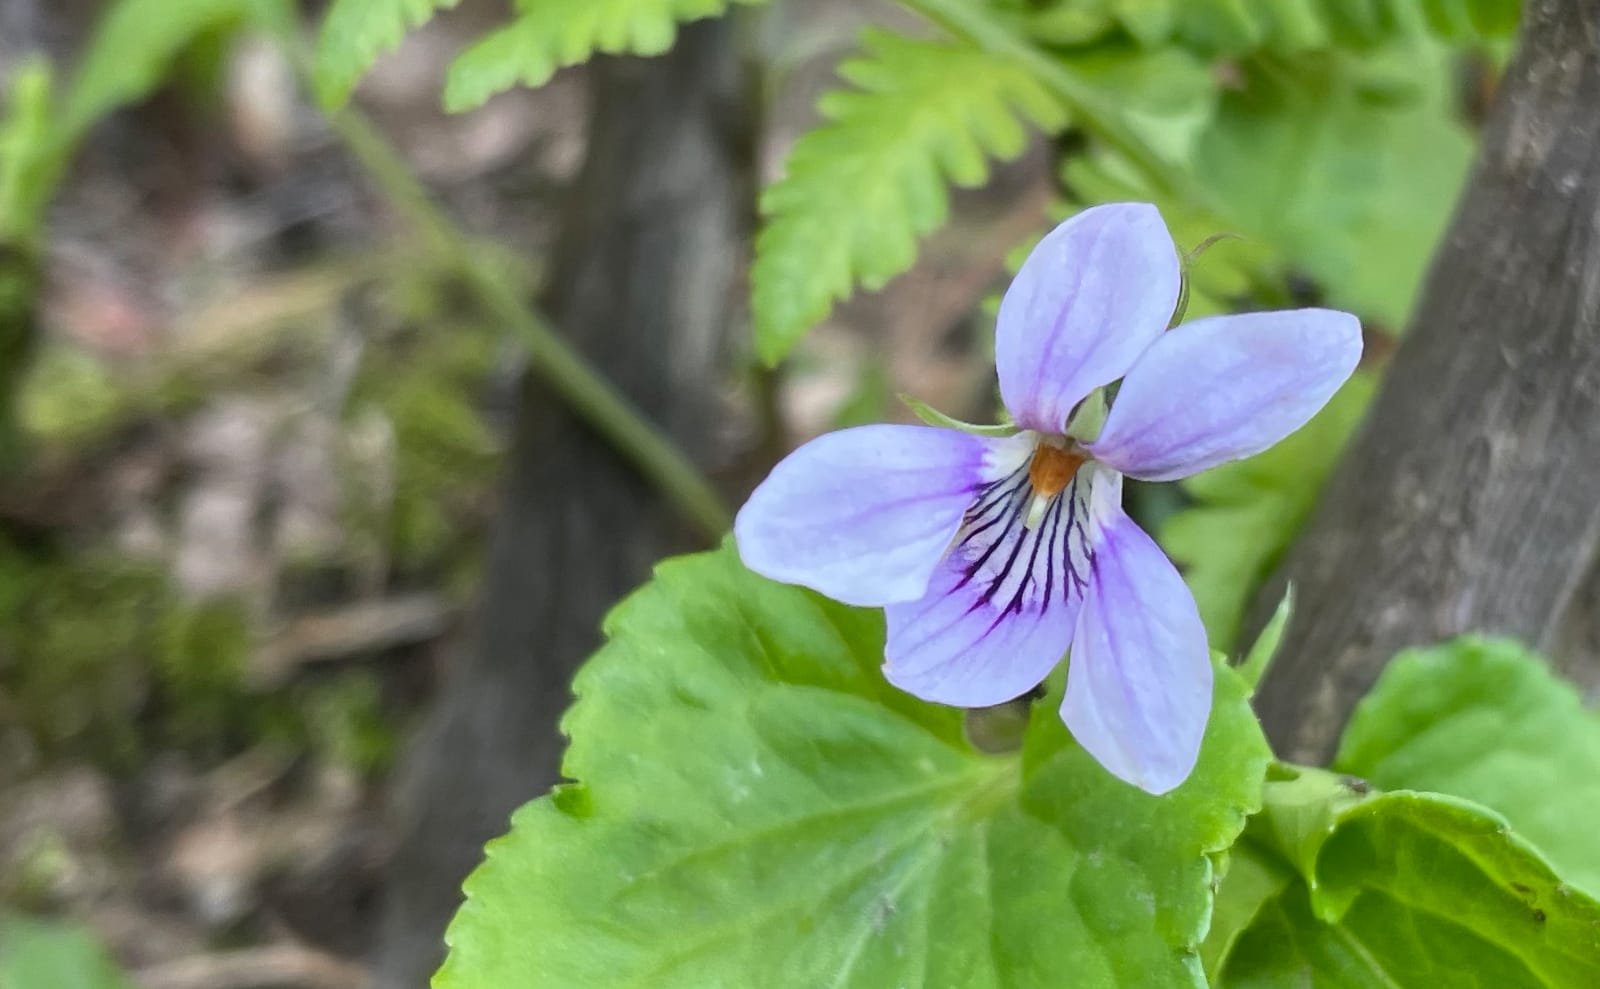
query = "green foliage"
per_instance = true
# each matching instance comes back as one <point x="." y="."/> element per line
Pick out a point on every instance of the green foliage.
<point x="1245" y="514"/>
<point x="133" y="48"/>
<point x="1350" y="169"/>
<point x="859" y="190"/>
<point x="26" y="143"/>
<point x="1240" y="27"/>
<point x="1252" y="878"/>
<point x="1254" y="665"/>
<point x="1486" y="720"/>
<point x="27" y="180"/>
<point x="1335" y="885"/>
<point x="553" y="34"/>
<point x="1233" y="27"/>
<point x="356" y="32"/>
<point x="1398" y="889"/>
<point x="37" y="954"/>
<point x="755" y="805"/>
<point x="1340" y="168"/>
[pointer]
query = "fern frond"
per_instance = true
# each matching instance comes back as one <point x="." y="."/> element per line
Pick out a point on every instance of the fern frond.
<point x="132" y="49"/>
<point x="356" y="32"/>
<point x="1235" y="27"/>
<point x="862" y="188"/>
<point x="553" y="34"/>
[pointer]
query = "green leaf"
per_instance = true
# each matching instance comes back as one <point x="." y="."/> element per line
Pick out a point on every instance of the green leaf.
<point x="1236" y="27"/>
<point x="133" y="48"/>
<point x="39" y="955"/>
<point x="1252" y="880"/>
<point x="933" y="417"/>
<point x="860" y="189"/>
<point x="552" y="34"/>
<point x="1486" y="720"/>
<point x="129" y="55"/>
<point x="756" y="806"/>
<point x="1344" y="169"/>
<point x="1261" y="653"/>
<point x="28" y="166"/>
<point x="1349" y="169"/>
<point x="356" y="32"/>
<point x="1408" y="890"/>
<point x="1245" y="514"/>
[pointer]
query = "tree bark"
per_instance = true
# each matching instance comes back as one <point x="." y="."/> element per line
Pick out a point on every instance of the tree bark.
<point x="645" y="283"/>
<point x="1468" y="501"/>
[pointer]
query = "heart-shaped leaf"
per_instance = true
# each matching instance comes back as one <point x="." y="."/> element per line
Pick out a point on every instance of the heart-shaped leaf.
<point x="755" y="806"/>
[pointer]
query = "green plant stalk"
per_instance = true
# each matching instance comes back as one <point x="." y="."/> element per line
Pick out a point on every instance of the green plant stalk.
<point x="972" y="23"/>
<point x="588" y="393"/>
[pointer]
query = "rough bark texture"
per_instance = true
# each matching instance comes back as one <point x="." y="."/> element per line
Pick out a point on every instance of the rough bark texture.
<point x="1468" y="501"/>
<point x="645" y="284"/>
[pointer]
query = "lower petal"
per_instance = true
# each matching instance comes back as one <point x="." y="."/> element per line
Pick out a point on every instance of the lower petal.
<point x="1000" y="609"/>
<point x="1139" y="682"/>
<point x="864" y="515"/>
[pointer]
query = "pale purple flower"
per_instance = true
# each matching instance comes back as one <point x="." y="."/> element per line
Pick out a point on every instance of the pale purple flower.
<point x="991" y="555"/>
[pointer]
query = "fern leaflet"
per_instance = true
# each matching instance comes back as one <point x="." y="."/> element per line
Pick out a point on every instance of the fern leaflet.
<point x="356" y="32"/>
<point x="553" y="34"/>
<point x="861" y="188"/>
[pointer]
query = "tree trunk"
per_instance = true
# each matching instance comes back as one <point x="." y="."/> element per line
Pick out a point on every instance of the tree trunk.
<point x="645" y="283"/>
<point x="1468" y="501"/>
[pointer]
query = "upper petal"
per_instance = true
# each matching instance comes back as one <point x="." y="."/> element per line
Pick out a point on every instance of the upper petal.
<point x="863" y="515"/>
<point x="1095" y="292"/>
<point x="1000" y="609"/>
<point x="1225" y="388"/>
<point x="1139" y="681"/>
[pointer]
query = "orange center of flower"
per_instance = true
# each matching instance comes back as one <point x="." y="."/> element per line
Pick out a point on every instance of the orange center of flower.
<point x="1052" y="469"/>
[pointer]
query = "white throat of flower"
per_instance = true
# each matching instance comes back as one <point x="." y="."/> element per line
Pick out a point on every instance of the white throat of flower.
<point x="1057" y="459"/>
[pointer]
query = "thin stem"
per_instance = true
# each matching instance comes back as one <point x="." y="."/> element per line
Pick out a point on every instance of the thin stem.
<point x="563" y="369"/>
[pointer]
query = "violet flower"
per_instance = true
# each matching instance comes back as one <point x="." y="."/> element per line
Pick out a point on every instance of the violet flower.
<point x="991" y="555"/>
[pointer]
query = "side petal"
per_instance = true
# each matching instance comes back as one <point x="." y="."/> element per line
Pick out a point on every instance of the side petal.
<point x="1225" y="388"/>
<point x="864" y="515"/>
<point x="1139" y="680"/>
<point x="1000" y="610"/>
<point x="1095" y="292"/>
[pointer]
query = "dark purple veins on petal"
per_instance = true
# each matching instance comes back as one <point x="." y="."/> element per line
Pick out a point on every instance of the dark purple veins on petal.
<point x="1003" y="560"/>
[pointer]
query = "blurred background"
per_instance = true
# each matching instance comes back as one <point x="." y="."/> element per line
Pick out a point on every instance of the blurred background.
<point x="297" y="556"/>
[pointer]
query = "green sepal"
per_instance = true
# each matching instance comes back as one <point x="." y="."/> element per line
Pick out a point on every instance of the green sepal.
<point x="1089" y="417"/>
<point x="1255" y="663"/>
<point x="933" y="417"/>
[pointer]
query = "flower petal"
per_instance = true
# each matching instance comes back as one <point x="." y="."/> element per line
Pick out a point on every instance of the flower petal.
<point x="864" y="515"/>
<point x="1095" y="292"/>
<point x="1000" y="610"/>
<point x="1224" y="388"/>
<point x="1139" y="681"/>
